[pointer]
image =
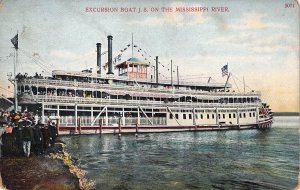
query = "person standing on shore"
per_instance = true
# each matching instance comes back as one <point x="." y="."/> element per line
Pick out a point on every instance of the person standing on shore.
<point x="38" y="139"/>
<point x="27" y="137"/>
<point x="46" y="136"/>
<point x="18" y="138"/>
<point x="2" y="131"/>
<point x="53" y="133"/>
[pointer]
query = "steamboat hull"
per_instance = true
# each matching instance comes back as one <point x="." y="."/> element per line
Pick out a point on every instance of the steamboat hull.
<point x="63" y="130"/>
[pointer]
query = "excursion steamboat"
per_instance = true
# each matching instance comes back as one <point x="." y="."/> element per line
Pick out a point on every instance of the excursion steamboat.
<point x="131" y="101"/>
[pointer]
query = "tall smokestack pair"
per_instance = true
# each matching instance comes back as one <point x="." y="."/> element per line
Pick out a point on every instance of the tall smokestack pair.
<point x="110" y="66"/>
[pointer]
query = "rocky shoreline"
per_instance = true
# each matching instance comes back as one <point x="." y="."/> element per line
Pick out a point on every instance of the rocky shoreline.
<point x="51" y="171"/>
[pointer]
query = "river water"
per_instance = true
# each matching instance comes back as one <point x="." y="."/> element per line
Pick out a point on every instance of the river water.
<point x="246" y="159"/>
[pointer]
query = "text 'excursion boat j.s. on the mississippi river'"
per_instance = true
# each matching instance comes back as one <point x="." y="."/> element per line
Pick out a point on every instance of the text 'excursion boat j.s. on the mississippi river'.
<point x="134" y="100"/>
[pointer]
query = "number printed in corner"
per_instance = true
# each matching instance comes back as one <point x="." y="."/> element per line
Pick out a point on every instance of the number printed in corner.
<point x="289" y="5"/>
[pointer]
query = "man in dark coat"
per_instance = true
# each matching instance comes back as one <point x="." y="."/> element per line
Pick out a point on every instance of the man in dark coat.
<point x="27" y="137"/>
<point x="18" y="138"/>
<point x="38" y="140"/>
<point x="53" y="133"/>
<point x="46" y="136"/>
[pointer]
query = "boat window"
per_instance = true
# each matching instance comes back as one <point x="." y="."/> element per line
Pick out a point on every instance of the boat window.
<point x="250" y="115"/>
<point x="184" y="116"/>
<point x="234" y="115"/>
<point x="230" y="115"/>
<point x="240" y="115"/>
<point x="219" y="115"/>
<point x="171" y="116"/>
<point x="190" y="116"/>
<point x="244" y="115"/>
<point x="176" y="115"/>
<point x="213" y="116"/>
<point x="253" y="114"/>
<point x="223" y="116"/>
<point x="207" y="116"/>
<point x="201" y="116"/>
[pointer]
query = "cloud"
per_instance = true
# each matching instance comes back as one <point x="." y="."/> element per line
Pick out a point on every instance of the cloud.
<point x="254" y="42"/>
<point x="65" y="54"/>
<point x="167" y="18"/>
<point x="175" y="18"/>
<point x="254" y="20"/>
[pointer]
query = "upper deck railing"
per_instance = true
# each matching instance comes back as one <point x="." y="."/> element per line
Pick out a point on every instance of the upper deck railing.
<point x="89" y="85"/>
<point x="118" y="102"/>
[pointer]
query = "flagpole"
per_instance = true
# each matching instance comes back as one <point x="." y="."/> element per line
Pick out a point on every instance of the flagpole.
<point x="132" y="45"/>
<point x="15" y="81"/>
<point x="244" y="84"/>
<point x="171" y="73"/>
<point x="177" y="77"/>
<point x="226" y="82"/>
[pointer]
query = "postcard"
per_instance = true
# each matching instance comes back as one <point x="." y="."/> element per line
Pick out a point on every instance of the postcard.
<point x="198" y="94"/>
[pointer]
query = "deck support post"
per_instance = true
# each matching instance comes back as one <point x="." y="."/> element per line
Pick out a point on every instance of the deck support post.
<point x="136" y="127"/>
<point x="119" y="125"/>
<point x="194" y="119"/>
<point x="76" y="121"/>
<point x="106" y="117"/>
<point x="57" y="126"/>
<point x="58" y="110"/>
<point x="139" y="116"/>
<point x="79" y="125"/>
<point x="100" y="126"/>
<point x="257" y="114"/>
<point x="217" y="117"/>
<point x="152" y="114"/>
<point x="92" y="115"/>
<point x="238" y="117"/>
<point x="123" y="116"/>
<point x="43" y="112"/>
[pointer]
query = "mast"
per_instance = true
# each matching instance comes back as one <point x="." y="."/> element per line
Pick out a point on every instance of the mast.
<point x="171" y="73"/>
<point x="132" y="45"/>
<point x="177" y="77"/>
<point x="227" y="81"/>
<point x="244" y="84"/>
<point x="16" y="81"/>
<point x="156" y="68"/>
<point x="14" y="41"/>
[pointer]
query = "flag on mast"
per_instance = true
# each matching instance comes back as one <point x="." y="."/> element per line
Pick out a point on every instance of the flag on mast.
<point x="14" y="41"/>
<point x="224" y="70"/>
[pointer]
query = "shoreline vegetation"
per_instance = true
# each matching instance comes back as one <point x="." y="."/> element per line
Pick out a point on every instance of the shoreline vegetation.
<point x="52" y="171"/>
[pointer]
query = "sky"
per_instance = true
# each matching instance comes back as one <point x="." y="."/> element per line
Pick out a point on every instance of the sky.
<point x="259" y="40"/>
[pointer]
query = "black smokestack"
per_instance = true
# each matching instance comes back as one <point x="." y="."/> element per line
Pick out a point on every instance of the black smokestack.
<point x="156" y="69"/>
<point x="98" y="58"/>
<point x="110" y="66"/>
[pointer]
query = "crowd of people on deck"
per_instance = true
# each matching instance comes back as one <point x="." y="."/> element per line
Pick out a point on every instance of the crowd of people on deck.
<point x="22" y="134"/>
